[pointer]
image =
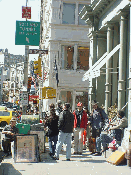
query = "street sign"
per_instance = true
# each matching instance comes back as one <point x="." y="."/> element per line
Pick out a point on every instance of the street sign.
<point x="24" y="98"/>
<point x="26" y="12"/>
<point x="27" y="33"/>
<point x="37" y="51"/>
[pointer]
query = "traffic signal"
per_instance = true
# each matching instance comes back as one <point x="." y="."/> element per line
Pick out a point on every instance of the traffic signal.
<point x="37" y="67"/>
<point x="29" y="82"/>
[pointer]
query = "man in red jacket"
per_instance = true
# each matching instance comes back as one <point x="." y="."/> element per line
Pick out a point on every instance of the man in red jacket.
<point x="80" y="123"/>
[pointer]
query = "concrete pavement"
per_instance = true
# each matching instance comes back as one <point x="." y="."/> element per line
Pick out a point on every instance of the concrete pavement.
<point x="79" y="164"/>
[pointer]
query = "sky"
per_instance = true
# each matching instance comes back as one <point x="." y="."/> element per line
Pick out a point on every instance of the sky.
<point x="10" y="11"/>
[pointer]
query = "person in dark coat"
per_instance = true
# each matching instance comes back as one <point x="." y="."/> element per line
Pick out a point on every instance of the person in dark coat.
<point x="9" y="131"/>
<point x="97" y="118"/>
<point x="53" y="131"/>
<point x="66" y="122"/>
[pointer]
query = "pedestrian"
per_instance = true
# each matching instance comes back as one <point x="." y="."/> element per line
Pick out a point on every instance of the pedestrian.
<point x="97" y="118"/>
<point x="80" y="124"/>
<point x="32" y="110"/>
<point x="66" y="122"/>
<point x="108" y="138"/>
<point x="9" y="131"/>
<point x="53" y="131"/>
<point x="59" y="108"/>
<point x="86" y="138"/>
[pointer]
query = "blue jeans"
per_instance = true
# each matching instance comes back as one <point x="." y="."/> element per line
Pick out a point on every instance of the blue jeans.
<point x="104" y="139"/>
<point x="52" y="143"/>
<point x="62" y="137"/>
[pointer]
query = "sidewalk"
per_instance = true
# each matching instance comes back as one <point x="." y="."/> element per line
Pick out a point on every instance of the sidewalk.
<point x="79" y="164"/>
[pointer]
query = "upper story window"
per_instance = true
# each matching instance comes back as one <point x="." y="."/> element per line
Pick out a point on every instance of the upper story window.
<point x="68" y="15"/>
<point x="67" y="57"/>
<point x="80" y="21"/>
<point x="83" y="58"/>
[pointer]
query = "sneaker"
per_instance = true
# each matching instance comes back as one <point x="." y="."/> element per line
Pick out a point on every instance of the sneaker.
<point x="55" y="158"/>
<point x="50" y="154"/>
<point x="75" y="153"/>
<point x="80" y="153"/>
<point x="68" y="159"/>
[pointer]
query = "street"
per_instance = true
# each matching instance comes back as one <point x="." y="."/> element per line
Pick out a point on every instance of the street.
<point x="79" y="164"/>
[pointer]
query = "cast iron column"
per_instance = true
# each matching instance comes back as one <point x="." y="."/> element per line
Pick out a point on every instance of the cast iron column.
<point x="122" y="61"/>
<point x="108" y="68"/>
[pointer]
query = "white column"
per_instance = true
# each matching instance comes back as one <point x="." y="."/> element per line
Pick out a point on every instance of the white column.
<point x="122" y="61"/>
<point x="74" y="99"/>
<point x="75" y="56"/>
<point x="58" y="94"/>
<point x="92" y="60"/>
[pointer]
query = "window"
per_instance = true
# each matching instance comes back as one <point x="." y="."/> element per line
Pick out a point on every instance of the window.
<point x="68" y="15"/>
<point x="67" y="57"/>
<point x="13" y="113"/>
<point x="4" y="113"/>
<point x="80" y="21"/>
<point x="83" y="58"/>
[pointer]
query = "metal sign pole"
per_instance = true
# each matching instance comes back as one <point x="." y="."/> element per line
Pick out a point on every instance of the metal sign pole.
<point x="40" y="55"/>
<point x="24" y="107"/>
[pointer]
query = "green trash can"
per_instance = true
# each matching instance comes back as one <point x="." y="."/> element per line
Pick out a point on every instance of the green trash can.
<point x="23" y="128"/>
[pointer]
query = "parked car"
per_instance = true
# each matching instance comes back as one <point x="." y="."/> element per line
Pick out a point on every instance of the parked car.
<point x="5" y="117"/>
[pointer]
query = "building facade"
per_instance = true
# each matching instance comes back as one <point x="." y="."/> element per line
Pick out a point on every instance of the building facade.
<point x="16" y="80"/>
<point x="65" y="37"/>
<point x="110" y="58"/>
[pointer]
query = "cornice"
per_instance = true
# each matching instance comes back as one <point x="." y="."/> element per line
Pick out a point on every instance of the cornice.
<point x="68" y="26"/>
<point x="123" y="13"/>
<point x="94" y="11"/>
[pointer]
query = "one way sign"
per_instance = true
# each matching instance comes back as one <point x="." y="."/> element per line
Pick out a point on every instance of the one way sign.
<point x="37" y="51"/>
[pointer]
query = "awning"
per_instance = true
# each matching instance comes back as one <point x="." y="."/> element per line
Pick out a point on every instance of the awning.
<point x="94" y="71"/>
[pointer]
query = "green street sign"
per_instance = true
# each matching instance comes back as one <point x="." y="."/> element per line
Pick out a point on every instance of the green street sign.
<point x="27" y="33"/>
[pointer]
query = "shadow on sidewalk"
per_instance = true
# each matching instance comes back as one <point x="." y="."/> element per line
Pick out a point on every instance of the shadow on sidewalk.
<point x="8" y="169"/>
<point x="93" y="161"/>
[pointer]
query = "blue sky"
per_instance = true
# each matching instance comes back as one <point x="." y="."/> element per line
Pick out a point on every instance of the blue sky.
<point x="10" y="11"/>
